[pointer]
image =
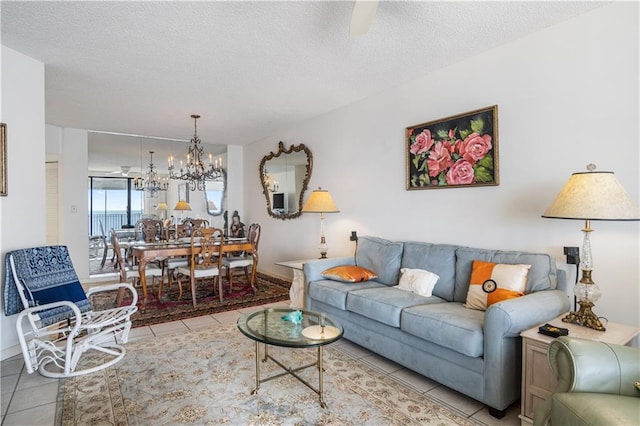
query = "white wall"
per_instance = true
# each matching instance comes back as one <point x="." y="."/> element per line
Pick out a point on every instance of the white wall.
<point x="567" y="96"/>
<point x="23" y="218"/>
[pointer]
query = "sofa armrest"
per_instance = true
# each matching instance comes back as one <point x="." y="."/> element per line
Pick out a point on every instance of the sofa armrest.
<point x="313" y="269"/>
<point x="503" y="323"/>
<point x="511" y="317"/>
<point x="593" y="366"/>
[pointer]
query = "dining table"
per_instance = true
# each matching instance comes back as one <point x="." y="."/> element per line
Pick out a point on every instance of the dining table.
<point x="148" y="252"/>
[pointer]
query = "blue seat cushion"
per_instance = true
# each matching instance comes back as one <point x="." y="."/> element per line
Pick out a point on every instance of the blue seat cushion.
<point x="385" y="304"/>
<point x="447" y="324"/>
<point x="334" y="293"/>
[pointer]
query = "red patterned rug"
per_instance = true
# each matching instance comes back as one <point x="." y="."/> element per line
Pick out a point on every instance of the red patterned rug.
<point x="270" y="290"/>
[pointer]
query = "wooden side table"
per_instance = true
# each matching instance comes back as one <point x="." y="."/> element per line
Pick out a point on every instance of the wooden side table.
<point x="538" y="381"/>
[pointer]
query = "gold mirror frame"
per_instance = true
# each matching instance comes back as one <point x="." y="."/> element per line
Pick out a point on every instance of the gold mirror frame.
<point x="264" y="178"/>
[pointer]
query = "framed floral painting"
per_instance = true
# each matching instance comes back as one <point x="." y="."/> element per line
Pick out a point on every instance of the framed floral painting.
<point x="452" y="152"/>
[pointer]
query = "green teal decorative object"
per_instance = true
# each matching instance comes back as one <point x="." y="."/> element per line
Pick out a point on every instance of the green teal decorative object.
<point x="295" y="317"/>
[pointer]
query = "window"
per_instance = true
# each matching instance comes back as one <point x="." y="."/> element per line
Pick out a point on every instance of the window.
<point x="114" y="203"/>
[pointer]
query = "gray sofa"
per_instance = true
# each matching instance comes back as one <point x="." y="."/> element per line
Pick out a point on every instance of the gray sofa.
<point x="477" y="353"/>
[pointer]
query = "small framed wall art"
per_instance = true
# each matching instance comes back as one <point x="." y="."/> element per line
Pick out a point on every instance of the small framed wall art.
<point x="453" y="152"/>
<point x="3" y="159"/>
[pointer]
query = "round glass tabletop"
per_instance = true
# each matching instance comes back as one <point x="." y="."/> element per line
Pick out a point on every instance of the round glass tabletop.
<point x="289" y="327"/>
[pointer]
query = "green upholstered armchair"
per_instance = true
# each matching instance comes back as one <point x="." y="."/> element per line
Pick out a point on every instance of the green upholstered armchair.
<point x="596" y="384"/>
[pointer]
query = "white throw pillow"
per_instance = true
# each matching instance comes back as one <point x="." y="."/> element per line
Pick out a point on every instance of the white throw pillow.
<point x="418" y="281"/>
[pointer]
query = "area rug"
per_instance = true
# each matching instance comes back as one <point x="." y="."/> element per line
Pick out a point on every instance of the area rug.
<point x="205" y="377"/>
<point x="270" y="290"/>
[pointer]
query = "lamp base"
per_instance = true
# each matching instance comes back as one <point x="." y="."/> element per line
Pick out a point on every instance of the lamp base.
<point x="323" y="247"/>
<point x="585" y="317"/>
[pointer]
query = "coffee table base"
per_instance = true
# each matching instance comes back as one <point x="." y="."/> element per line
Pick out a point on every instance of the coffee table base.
<point x="290" y="371"/>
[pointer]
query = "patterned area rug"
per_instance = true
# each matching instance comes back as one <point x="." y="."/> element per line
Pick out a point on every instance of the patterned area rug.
<point x="206" y="377"/>
<point x="270" y="290"/>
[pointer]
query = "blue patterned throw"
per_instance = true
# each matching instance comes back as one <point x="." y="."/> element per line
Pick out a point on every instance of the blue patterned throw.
<point x="48" y="276"/>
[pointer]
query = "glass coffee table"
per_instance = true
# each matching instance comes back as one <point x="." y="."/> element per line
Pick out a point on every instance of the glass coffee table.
<point x="284" y="327"/>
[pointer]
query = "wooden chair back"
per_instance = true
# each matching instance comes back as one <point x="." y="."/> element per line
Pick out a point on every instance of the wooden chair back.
<point x="149" y="230"/>
<point x="120" y="259"/>
<point x="253" y="235"/>
<point x="210" y="242"/>
<point x="191" y="224"/>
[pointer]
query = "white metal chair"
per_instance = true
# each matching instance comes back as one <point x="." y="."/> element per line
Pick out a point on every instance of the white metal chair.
<point x="57" y="324"/>
<point x="245" y="259"/>
<point x="207" y="263"/>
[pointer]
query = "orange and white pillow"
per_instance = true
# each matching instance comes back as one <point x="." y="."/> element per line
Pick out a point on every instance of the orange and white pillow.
<point x="494" y="282"/>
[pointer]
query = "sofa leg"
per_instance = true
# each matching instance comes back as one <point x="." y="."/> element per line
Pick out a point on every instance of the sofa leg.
<point x="498" y="414"/>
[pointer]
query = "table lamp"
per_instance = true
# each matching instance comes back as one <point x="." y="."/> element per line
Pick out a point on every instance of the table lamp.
<point x="590" y="196"/>
<point x="181" y="206"/>
<point x="162" y="207"/>
<point x="321" y="202"/>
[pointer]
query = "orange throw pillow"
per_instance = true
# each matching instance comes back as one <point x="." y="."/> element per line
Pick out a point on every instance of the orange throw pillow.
<point x="349" y="274"/>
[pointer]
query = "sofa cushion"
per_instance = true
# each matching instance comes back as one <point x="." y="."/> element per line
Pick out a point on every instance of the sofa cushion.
<point x="542" y="275"/>
<point x="437" y="258"/>
<point x="349" y="274"/>
<point x="335" y="293"/>
<point x="446" y="324"/>
<point x="418" y="281"/>
<point x="385" y="304"/>
<point x="494" y="282"/>
<point x="381" y="256"/>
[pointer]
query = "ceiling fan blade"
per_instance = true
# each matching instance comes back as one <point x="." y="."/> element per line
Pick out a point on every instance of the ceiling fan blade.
<point x="362" y="16"/>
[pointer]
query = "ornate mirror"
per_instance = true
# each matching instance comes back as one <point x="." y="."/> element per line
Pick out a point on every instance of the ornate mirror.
<point x="214" y="195"/>
<point x="285" y="176"/>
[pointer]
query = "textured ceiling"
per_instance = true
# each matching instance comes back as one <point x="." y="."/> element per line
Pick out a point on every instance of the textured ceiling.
<point x="248" y="68"/>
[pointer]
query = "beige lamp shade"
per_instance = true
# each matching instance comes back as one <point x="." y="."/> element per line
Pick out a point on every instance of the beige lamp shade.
<point x="162" y="206"/>
<point x="320" y="201"/>
<point x="182" y="205"/>
<point x="593" y="196"/>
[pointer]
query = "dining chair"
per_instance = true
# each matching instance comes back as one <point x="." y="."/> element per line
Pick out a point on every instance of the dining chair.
<point x="192" y="224"/>
<point x="100" y="241"/>
<point x="245" y="259"/>
<point x="149" y="230"/>
<point x="205" y="260"/>
<point x="105" y="242"/>
<point x="129" y="272"/>
<point x="172" y="263"/>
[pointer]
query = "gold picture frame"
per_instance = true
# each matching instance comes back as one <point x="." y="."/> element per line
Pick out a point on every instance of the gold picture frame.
<point x="3" y="159"/>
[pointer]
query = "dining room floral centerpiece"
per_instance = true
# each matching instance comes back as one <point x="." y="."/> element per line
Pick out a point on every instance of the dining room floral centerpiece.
<point x="457" y="151"/>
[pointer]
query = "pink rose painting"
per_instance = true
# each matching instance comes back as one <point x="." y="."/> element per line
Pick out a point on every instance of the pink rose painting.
<point x="456" y="151"/>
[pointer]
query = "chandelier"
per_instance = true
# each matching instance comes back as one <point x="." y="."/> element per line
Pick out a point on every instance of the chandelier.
<point x="151" y="182"/>
<point x="195" y="171"/>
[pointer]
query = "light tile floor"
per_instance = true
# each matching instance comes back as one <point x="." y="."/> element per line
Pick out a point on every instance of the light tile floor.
<point x="30" y="399"/>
